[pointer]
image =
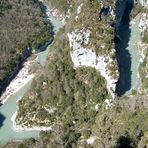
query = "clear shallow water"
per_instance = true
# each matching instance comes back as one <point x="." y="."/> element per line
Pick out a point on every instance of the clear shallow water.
<point x="57" y="25"/>
<point x="128" y="57"/>
<point x="8" y="109"/>
<point x="135" y="58"/>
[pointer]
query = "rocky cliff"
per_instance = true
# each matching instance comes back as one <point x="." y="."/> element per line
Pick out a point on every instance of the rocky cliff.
<point x="84" y="55"/>
<point x="143" y="2"/>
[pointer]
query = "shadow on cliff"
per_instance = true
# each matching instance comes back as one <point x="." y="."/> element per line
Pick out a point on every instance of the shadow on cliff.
<point x="123" y="33"/>
<point x="2" y="118"/>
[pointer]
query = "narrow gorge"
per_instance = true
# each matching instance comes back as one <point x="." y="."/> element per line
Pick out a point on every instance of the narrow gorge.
<point x="127" y="35"/>
<point x="9" y="107"/>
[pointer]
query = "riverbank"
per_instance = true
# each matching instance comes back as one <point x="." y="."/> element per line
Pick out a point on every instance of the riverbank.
<point x="135" y="57"/>
<point x="9" y="131"/>
<point x="19" y="128"/>
<point x="22" y="78"/>
<point x="55" y="12"/>
<point x="128" y="57"/>
<point x="24" y="75"/>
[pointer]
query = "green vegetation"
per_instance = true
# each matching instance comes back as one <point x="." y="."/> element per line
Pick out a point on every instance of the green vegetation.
<point x="69" y="138"/>
<point x="136" y="10"/>
<point x="66" y="98"/>
<point x="119" y="126"/>
<point x="72" y="92"/>
<point x="145" y="37"/>
<point x="62" y="6"/>
<point x="21" y="26"/>
<point x="120" y="122"/>
<point x="134" y="92"/>
<point x="102" y="34"/>
<point x="4" y="6"/>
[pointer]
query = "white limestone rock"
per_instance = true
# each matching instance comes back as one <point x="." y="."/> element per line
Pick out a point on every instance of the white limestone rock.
<point x="97" y="107"/>
<point x="143" y="25"/>
<point x="142" y="51"/>
<point x="91" y="140"/>
<point x="87" y="57"/>
<point x="50" y="110"/>
<point x="79" y="9"/>
<point x="108" y="103"/>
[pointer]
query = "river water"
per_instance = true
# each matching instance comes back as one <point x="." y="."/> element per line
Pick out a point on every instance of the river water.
<point x="135" y="57"/>
<point x="8" y="109"/>
<point x="128" y="58"/>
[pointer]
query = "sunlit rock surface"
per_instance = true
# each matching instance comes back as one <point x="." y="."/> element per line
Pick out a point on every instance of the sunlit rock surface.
<point x="87" y="57"/>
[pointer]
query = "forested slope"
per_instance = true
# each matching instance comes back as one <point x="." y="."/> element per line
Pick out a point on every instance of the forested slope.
<point x="22" y="26"/>
<point x="74" y="101"/>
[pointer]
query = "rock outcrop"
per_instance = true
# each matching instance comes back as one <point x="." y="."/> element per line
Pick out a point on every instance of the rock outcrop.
<point x="26" y="53"/>
<point x="85" y="57"/>
<point x="143" y="2"/>
<point x="143" y="25"/>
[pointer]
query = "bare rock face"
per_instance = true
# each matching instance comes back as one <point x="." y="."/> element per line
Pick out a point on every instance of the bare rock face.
<point x="143" y="3"/>
<point x="143" y="25"/>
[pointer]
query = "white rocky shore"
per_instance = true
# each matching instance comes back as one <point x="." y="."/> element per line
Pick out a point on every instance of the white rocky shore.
<point x="56" y="13"/>
<point x="22" y="78"/>
<point x="25" y="128"/>
<point x="87" y="57"/>
<point x="143" y="49"/>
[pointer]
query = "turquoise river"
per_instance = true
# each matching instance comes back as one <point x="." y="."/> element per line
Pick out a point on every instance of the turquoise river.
<point x="135" y="57"/>
<point x="8" y="109"/>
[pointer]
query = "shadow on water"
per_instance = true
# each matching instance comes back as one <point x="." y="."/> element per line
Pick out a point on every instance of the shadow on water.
<point x="123" y="33"/>
<point x="2" y="118"/>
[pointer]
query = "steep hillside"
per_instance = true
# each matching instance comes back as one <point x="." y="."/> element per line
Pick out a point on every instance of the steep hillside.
<point x="75" y="95"/>
<point x="22" y="29"/>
